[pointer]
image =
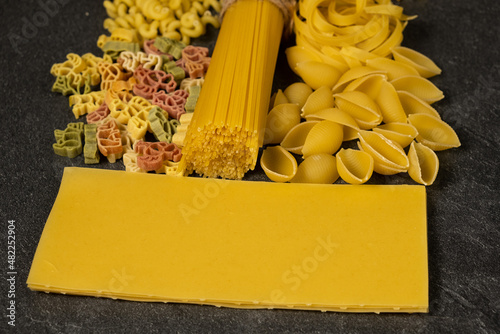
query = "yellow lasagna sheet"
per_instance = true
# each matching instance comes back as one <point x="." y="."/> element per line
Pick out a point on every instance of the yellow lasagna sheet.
<point x="149" y="237"/>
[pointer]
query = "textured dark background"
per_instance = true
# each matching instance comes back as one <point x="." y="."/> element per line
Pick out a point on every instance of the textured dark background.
<point x="461" y="36"/>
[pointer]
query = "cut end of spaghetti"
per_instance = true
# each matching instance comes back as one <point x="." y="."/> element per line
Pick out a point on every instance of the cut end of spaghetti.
<point x="226" y="130"/>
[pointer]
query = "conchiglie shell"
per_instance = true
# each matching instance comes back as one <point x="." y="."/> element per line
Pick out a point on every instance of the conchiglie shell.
<point x="393" y="68"/>
<point x="278" y="98"/>
<point x="319" y="168"/>
<point x="413" y="105"/>
<point x="424" y="164"/>
<point x="299" y="54"/>
<point x="354" y="167"/>
<point x="423" y="64"/>
<point x="388" y="157"/>
<point x="420" y="87"/>
<point x="278" y="164"/>
<point x="324" y="137"/>
<point x="433" y="132"/>
<point x="370" y="85"/>
<point x="401" y="133"/>
<point x="295" y="138"/>
<point x="361" y="107"/>
<point x="298" y="93"/>
<point x="335" y="115"/>
<point x="331" y="56"/>
<point x="353" y="74"/>
<point x="350" y="134"/>
<point x="321" y="98"/>
<point x="317" y="74"/>
<point x="390" y="106"/>
<point x="279" y="121"/>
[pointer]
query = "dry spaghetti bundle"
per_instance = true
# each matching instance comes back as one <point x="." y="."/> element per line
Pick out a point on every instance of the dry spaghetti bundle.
<point x="226" y="130"/>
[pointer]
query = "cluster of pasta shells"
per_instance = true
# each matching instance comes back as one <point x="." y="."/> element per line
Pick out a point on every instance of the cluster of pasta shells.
<point x="396" y="128"/>
<point x="360" y="84"/>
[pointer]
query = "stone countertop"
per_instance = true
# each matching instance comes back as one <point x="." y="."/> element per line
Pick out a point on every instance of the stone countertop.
<point x="463" y="205"/>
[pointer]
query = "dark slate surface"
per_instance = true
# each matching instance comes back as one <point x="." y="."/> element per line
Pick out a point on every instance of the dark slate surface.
<point x="461" y="36"/>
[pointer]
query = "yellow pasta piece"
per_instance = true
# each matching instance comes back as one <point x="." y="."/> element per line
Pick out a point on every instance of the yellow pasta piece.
<point x="298" y="93"/>
<point x="280" y="120"/>
<point x="354" y="167"/>
<point x="434" y="132"/>
<point x="413" y="105"/>
<point x="324" y="137"/>
<point x="298" y="54"/>
<point x="278" y="164"/>
<point x="418" y="86"/>
<point x="393" y="69"/>
<point x="321" y="98"/>
<point x="335" y="115"/>
<point x="296" y="137"/>
<point x="423" y="64"/>
<point x="319" y="168"/>
<point x="86" y="103"/>
<point x="317" y="74"/>
<point x="389" y="104"/>
<point x="279" y="98"/>
<point x="369" y="85"/>
<point x="353" y="74"/>
<point x="361" y="107"/>
<point x="401" y="133"/>
<point x="138" y="125"/>
<point x="424" y="164"/>
<point x="388" y="157"/>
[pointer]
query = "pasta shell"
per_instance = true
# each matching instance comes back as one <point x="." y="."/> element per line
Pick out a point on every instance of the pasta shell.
<point x="388" y="157"/>
<point x="390" y="106"/>
<point x="370" y="85"/>
<point x="393" y="68"/>
<point x="278" y="98"/>
<point x="424" y="164"/>
<point x="295" y="138"/>
<point x="350" y="134"/>
<point x="413" y="105"/>
<point x="433" y="132"/>
<point x="321" y="98"/>
<point x="353" y="74"/>
<point x="424" y="65"/>
<point x="420" y="87"/>
<point x="354" y="167"/>
<point x="335" y="115"/>
<point x="324" y="137"/>
<point x="319" y="168"/>
<point x="317" y="74"/>
<point x="279" y="121"/>
<point x="298" y="93"/>
<point x="401" y="133"/>
<point x="361" y="107"/>
<point x="298" y="54"/>
<point x="278" y="164"/>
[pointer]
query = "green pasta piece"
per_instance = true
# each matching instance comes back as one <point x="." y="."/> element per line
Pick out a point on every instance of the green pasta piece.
<point x="161" y="127"/>
<point x="90" y="150"/>
<point x="194" y="93"/>
<point x="114" y="48"/>
<point x="170" y="46"/>
<point x="66" y="85"/>
<point x="69" y="141"/>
